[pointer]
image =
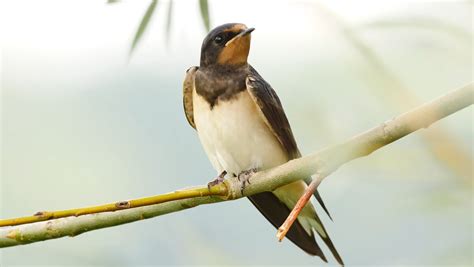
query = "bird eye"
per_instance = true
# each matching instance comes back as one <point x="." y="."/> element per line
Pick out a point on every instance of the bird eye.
<point x="218" y="39"/>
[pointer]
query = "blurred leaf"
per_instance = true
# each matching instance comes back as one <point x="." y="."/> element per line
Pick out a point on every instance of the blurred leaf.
<point x="424" y="23"/>
<point x="443" y="145"/>
<point x="143" y="25"/>
<point x="168" y="20"/>
<point x="112" y="1"/>
<point x="204" y="6"/>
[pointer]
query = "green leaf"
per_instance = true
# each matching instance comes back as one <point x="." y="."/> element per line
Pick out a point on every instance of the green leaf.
<point x="143" y="25"/>
<point x="168" y="20"/>
<point x="204" y="6"/>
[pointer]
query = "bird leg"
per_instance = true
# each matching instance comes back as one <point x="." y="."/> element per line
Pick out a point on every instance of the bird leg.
<point x="244" y="177"/>
<point x="219" y="179"/>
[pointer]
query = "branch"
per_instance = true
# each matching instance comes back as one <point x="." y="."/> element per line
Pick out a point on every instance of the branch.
<point x="322" y="163"/>
<point x="366" y="143"/>
<point x="220" y="190"/>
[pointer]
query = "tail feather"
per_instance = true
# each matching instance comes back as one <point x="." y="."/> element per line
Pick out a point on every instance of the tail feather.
<point x="276" y="212"/>
<point x="319" y="227"/>
<point x="318" y="197"/>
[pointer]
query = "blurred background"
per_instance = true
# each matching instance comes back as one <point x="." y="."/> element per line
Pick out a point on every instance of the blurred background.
<point x="91" y="112"/>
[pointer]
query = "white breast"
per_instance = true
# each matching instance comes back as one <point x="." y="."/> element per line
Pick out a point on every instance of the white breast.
<point x="234" y="135"/>
<point x="236" y="138"/>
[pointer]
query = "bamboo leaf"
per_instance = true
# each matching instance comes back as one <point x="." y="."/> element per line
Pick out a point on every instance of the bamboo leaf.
<point x="143" y="25"/>
<point x="424" y="23"/>
<point x="168" y="20"/>
<point x="204" y="6"/>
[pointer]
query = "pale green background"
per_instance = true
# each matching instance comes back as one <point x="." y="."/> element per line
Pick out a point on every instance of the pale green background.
<point x="83" y="124"/>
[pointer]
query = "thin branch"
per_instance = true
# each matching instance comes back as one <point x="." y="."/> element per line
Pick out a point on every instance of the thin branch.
<point x="285" y="227"/>
<point x="219" y="190"/>
<point x="323" y="162"/>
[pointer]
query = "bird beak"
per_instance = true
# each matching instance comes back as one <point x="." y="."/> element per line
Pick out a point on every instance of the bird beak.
<point x="241" y="34"/>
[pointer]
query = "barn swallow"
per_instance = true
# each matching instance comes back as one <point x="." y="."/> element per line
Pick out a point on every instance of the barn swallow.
<point x="243" y="128"/>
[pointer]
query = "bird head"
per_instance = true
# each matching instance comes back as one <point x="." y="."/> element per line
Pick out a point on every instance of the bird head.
<point x="228" y="44"/>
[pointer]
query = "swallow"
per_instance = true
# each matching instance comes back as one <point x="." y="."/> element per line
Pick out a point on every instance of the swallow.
<point x="243" y="128"/>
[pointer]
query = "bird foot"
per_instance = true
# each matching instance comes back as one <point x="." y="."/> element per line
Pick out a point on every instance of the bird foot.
<point x="219" y="179"/>
<point x="244" y="177"/>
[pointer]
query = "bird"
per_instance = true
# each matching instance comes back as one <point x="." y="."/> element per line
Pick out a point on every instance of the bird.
<point x="243" y="129"/>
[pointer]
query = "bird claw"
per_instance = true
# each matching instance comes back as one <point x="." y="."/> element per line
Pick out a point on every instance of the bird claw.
<point x="244" y="177"/>
<point x="219" y="179"/>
